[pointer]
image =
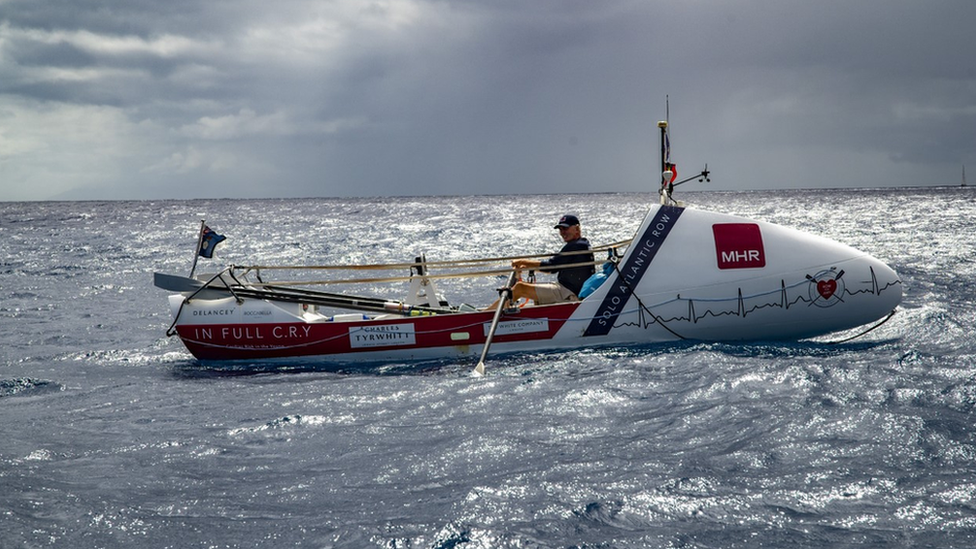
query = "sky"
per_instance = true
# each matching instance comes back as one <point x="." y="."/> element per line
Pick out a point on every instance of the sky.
<point x="181" y="99"/>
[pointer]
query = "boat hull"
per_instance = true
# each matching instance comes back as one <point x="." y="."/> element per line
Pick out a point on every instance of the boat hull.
<point x="687" y="275"/>
<point x="347" y="340"/>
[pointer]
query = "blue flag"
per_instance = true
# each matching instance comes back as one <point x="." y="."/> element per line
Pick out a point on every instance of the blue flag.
<point x="209" y="242"/>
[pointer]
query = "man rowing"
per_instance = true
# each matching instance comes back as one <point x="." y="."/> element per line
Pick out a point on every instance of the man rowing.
<point x="569" y="279"/>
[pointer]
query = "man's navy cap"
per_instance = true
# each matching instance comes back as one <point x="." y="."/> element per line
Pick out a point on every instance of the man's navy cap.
<point x="567" y="221"/>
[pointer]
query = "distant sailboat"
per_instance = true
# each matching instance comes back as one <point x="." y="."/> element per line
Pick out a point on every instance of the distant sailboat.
<point x="963" y="175"/>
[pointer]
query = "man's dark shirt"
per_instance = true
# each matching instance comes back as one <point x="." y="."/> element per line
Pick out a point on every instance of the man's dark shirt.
<point x="572" y="278"/>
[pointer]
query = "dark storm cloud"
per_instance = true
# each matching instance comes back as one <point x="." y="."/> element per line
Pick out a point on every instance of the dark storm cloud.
<point x="120" y="99"/>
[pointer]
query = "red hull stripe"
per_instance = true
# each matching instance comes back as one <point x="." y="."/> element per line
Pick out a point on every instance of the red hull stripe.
<point x="296" y="339"/>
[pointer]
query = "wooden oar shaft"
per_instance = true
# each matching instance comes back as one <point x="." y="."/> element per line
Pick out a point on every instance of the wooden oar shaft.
<point x="459" y="263"/>
<point x="469" y="274"/>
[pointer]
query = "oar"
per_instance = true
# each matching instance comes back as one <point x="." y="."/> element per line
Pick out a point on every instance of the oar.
<point x="182" y="284"/>
<point x="479" y="370"/>
<point x="176" y="283"/>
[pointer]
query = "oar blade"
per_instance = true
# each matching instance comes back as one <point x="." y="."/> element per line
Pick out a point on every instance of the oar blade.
<point x="176" y="283"/>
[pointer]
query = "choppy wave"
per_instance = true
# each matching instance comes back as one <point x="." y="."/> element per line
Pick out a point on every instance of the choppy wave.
<point x="26" y="386"/>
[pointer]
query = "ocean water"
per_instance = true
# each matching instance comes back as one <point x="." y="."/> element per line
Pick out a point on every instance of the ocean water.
<point x="111" y="435"/>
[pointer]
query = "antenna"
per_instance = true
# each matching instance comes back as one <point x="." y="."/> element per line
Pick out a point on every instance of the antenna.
<point x="667" y="118"/>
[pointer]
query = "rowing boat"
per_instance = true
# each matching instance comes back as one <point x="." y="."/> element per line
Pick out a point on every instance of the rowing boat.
<point x="687" y="274"/>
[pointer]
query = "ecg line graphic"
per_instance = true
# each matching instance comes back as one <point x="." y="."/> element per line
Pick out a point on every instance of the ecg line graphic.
<point x="696" y="312"/>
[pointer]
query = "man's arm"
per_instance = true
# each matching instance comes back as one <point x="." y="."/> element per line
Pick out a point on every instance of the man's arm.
<point x="526" y="264"/>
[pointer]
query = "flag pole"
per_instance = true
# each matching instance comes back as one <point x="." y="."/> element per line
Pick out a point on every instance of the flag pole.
<point x="196" y="251"/>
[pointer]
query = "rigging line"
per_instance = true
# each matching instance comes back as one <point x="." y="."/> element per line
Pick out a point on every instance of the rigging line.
<point x="171" y="331"/>
<point x="445" y="263"/>
<point x="616" y="267"/>
<point x="845" y="340"/>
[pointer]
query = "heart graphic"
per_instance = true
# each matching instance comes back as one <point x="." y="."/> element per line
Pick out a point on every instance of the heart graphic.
<point x="826" y="288"/>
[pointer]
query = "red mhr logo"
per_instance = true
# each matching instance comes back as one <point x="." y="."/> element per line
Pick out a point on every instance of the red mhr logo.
<point x="739" y="246"/>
